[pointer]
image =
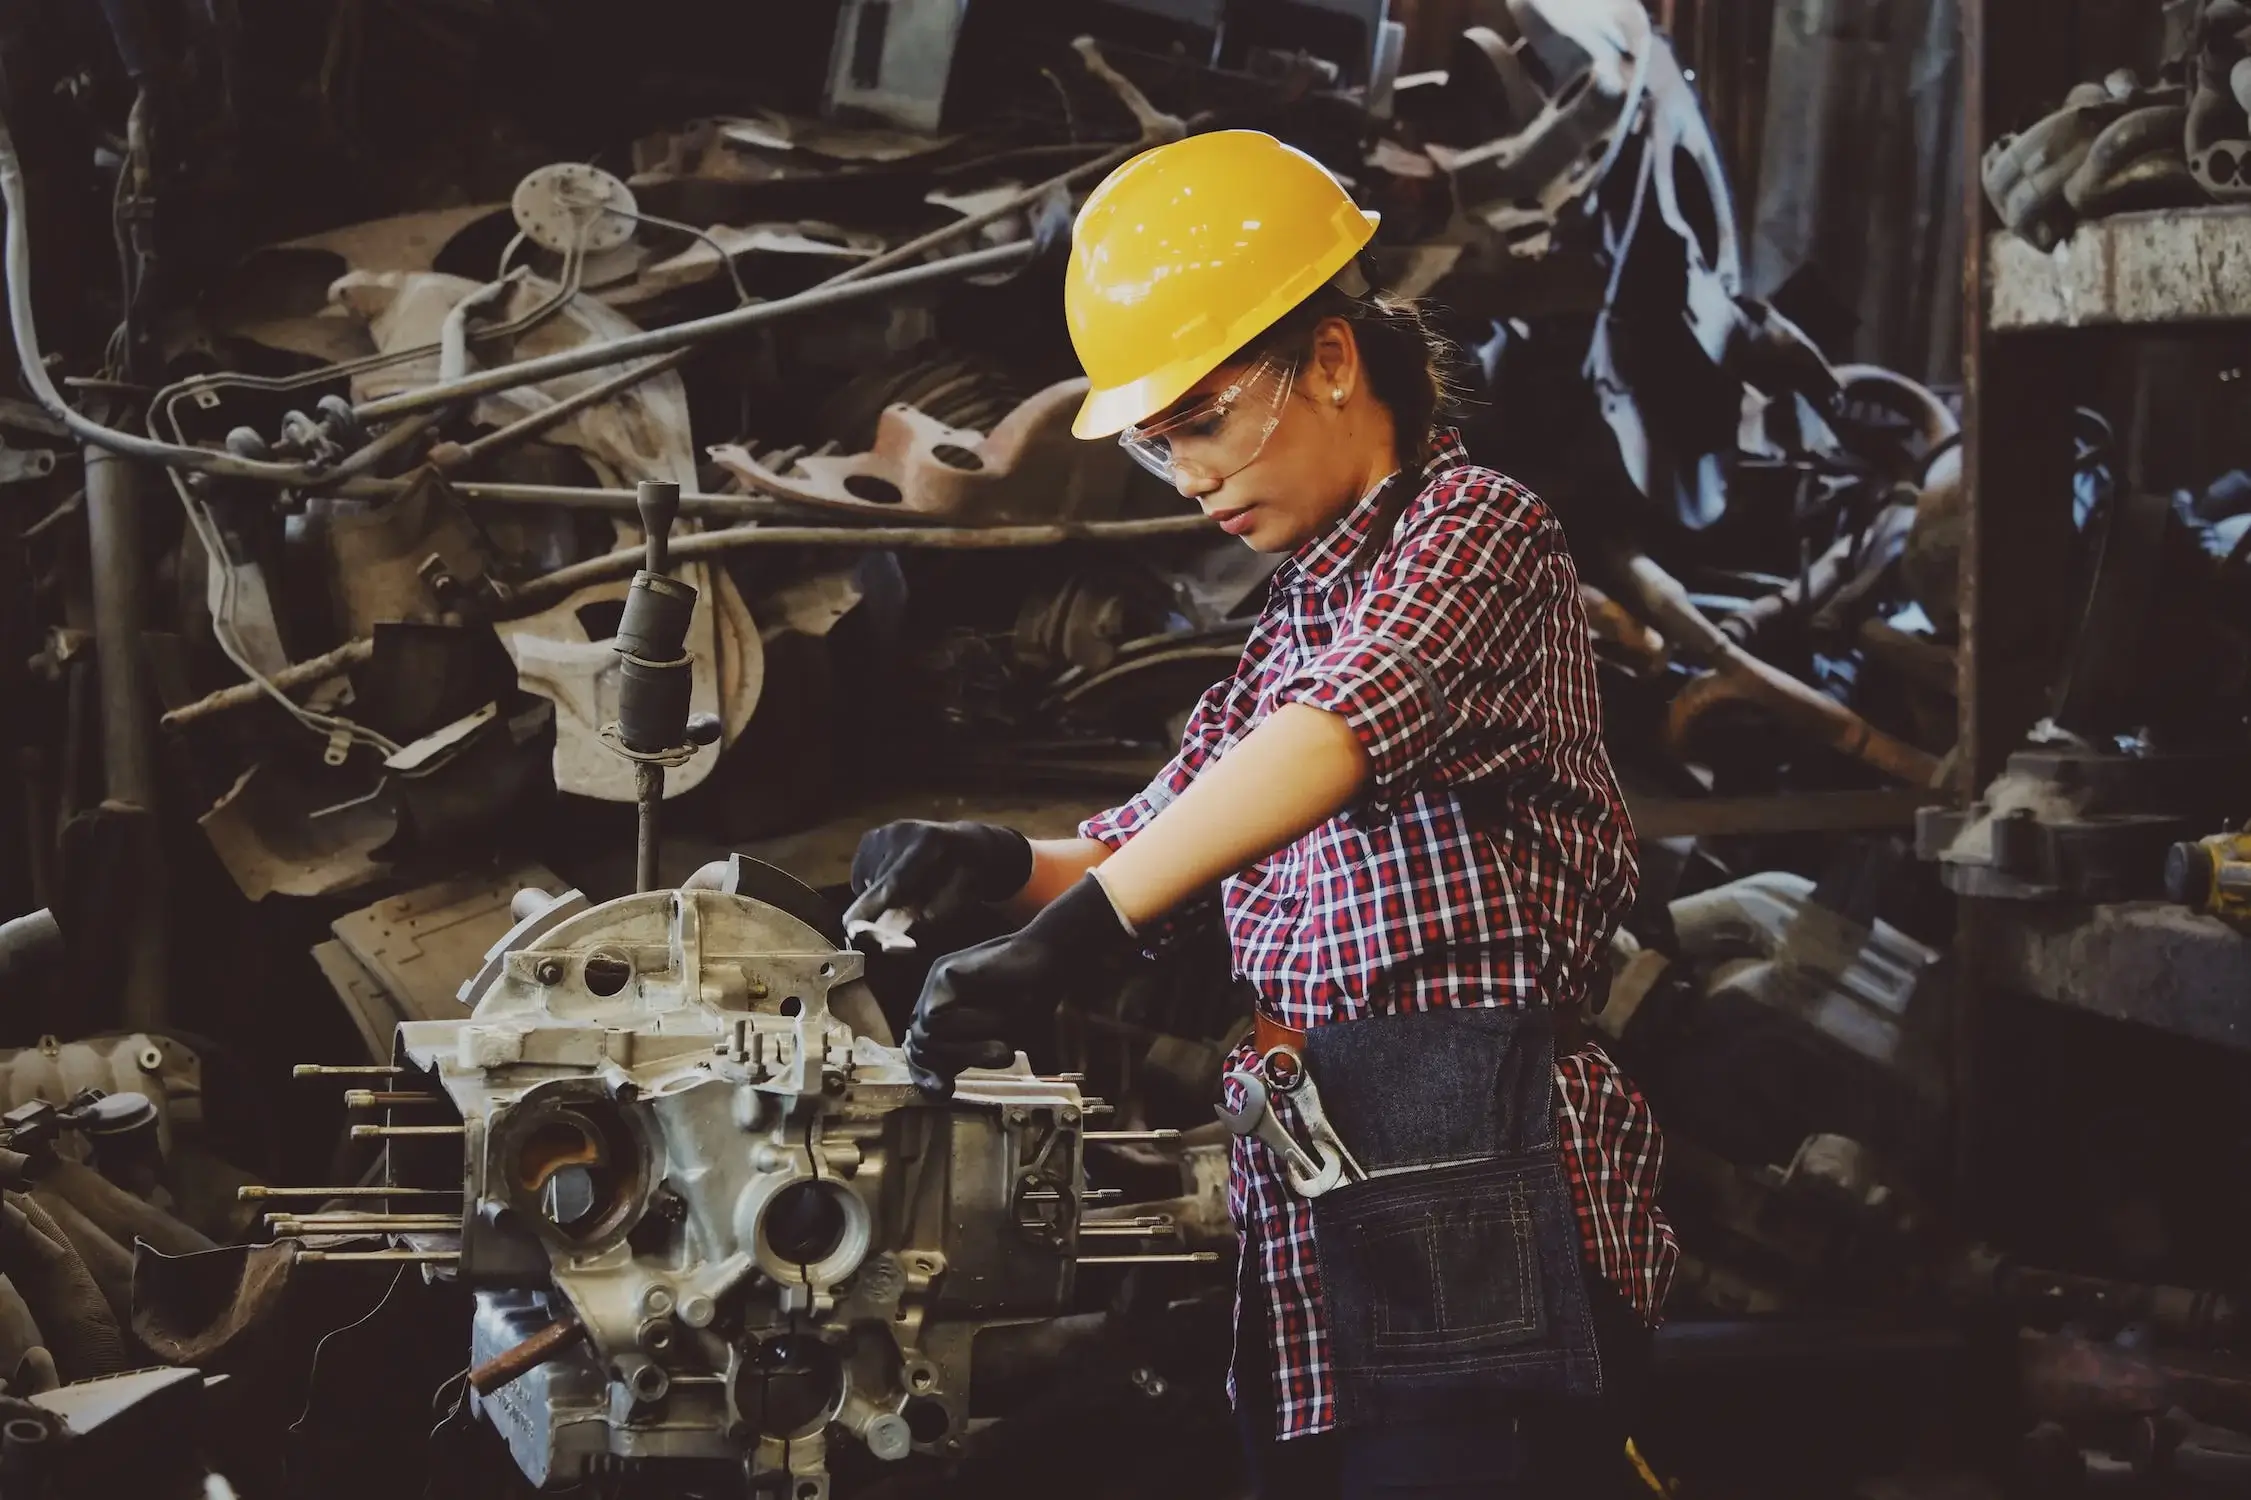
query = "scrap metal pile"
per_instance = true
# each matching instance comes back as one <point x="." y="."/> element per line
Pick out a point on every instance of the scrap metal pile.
<point x="332" y="564"/>
<point x="2119" y="144"/>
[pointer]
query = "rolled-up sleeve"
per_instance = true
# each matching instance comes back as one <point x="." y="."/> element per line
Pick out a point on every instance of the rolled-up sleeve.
<point x="1458" y="601"/>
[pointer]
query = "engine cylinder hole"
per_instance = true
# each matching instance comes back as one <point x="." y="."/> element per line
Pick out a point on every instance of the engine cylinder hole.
<point x="788" y="1384"/>
<point x="793" y="1006"/>
<point x="926" y="1419"/>
<point x="607" y="973"/>
<point x="805" y="1224"/>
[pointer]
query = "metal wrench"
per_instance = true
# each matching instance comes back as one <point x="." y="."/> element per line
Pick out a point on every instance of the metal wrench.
<point x="1309" y="1173"/>
<point x="1305" y="1098"/>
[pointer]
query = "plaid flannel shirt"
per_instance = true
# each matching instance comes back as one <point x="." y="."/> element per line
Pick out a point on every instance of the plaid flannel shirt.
<point x="1462" y="657"/>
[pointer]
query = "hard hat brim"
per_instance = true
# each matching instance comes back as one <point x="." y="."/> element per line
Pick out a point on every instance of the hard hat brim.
<point x="1108" y="411"/>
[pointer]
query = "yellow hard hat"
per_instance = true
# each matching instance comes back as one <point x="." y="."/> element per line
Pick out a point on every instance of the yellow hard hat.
<point x="1186" y="253"/>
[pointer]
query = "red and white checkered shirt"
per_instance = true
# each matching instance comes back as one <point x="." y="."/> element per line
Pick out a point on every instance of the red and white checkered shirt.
<point x="1461" y="657"/>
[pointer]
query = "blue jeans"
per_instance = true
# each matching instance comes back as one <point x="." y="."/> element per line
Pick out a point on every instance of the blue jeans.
<point x="1525" y="1448"/>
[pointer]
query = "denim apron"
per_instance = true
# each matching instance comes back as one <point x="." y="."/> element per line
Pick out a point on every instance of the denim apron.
<point x="1452" y="1275"/>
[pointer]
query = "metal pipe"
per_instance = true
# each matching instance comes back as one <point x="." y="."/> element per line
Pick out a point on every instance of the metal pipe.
<point x="259" y="1192"/>
<point x="382" y="1099"/>
<point x="510" y="1364"/>
<point x="371" y="1257"/>
<point x="580" y="497"/>
<point x="456" y="455"/>
<point x="1179" y="1258"/>
<point x="563" y="582"/>
<point x="648" y="799"/>
<point x="1658" y="597"/>
<point x="27" y="943"/>
<point x="114" y="541"/>
<point x="344" y="1070"/>
<point x="389" y="1132"/>
<point x="688" y="334"/>
<point x="1132" y="1135"/>
<point x="113" y="536"/>
<point x="285" y="1226"/>
<point x="301" y="674"/>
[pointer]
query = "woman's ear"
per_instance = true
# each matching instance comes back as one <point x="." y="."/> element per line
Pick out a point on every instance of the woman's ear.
<point x="1332" y="371"/>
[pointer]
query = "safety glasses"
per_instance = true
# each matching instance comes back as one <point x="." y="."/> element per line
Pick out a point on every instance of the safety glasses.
<point x="1220" y="435"/>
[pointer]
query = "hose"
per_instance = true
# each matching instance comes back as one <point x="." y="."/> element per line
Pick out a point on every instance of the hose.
<point x="17" y="253"/>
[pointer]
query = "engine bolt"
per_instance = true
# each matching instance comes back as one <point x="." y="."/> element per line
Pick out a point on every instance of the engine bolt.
<point x="1018" y="1115"/>
<point x="656" y="1301"/>
<point x="697" y="1310"/>
<point x="550" y="971"/>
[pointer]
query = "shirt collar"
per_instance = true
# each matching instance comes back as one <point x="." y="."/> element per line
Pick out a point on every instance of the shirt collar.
<point x="1318" y="562"/>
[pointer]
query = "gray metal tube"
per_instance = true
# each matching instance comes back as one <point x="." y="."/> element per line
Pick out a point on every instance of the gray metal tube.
<point x="113" y="534"/>
<point x="696" y="331"/>
<point x="26" y="942"/>
<point x="113" y="530"/>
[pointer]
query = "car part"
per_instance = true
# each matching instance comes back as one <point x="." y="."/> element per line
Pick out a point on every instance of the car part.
<point x="1029" y="468"/>
<point x="2079" y="823"/>
<point x="674" y="1138"/>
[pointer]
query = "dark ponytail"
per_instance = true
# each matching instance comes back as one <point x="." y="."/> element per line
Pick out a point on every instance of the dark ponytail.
<point x="1410" y="364"/>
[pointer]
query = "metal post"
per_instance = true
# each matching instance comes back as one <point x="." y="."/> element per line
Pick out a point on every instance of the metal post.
<point x="648" y="799"/>
<point x="113" y="532"/>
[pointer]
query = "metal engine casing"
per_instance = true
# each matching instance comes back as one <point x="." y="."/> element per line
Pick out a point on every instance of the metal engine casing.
<point x="771" y="1237"/>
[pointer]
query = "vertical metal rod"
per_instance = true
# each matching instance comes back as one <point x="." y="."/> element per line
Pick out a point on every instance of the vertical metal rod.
<point x="113" y="533"/>
<point x="648" y="799"/>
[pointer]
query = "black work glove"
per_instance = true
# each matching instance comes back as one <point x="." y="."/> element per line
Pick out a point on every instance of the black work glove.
<point x="976" y="1001"/>
<point x="936" y="872"/>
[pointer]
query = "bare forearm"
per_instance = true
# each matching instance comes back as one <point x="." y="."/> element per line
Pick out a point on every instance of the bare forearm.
<point x="1290" y="774"/>
<point x="1057" y="865"/>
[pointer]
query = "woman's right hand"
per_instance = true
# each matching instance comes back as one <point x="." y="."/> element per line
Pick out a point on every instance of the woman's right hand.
<point x="935" y="872"/>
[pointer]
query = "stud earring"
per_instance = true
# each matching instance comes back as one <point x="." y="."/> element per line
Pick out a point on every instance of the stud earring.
<point x="1336" y="396"/>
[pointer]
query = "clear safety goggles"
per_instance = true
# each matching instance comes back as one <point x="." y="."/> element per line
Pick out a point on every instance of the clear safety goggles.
<point x="1220" y="435"/>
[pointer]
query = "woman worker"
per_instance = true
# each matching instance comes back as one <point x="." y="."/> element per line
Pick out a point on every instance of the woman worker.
<point x="1403" y="797"/>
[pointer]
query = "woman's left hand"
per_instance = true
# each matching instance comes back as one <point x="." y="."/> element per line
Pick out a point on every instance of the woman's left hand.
<point x="978" y="1002"/>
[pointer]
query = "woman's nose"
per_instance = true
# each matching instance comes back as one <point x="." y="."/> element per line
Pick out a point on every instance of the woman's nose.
<point x="1193" y="485"/>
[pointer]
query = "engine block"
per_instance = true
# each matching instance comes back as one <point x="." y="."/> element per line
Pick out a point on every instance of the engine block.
<point x="686" y="1132"/>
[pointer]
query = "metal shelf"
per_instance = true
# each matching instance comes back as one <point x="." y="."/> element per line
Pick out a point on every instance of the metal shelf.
<point x="2144" y="962"/>
<point x="2174" y="267"/>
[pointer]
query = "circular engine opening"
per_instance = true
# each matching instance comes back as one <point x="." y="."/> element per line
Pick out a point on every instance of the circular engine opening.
<point x="607" y="973"/>
<point x="574" y="1168"/>
<point x="787" y="1384"/>
<point x="926" y="1419"/>
<point x="805" y="1223"/>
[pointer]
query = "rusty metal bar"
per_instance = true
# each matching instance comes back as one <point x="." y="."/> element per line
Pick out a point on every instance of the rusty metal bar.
<point x="510" y="1364"/>
<point x="256" y="1194"/>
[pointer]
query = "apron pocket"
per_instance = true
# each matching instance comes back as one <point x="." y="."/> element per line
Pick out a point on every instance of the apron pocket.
<point x="1454" y="1283"/>
<point x="1413" y="1245"/>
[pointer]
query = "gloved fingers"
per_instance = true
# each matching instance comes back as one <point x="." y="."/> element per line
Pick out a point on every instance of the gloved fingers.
<point x="934" y="1063"/>
<point x="910" y="876"/>
<point x="932" y="1085"/>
